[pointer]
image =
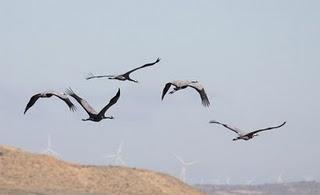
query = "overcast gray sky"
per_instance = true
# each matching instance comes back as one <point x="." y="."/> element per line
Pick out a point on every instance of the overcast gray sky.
<point x="259" y="62"/>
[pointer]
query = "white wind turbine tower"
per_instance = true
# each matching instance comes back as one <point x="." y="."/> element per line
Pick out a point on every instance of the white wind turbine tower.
<point x="117" y="156"/>
<point x="228" y="179"/>
<point x="279" y="179"/>
<point x="184" y="167"/>
<point x="202" y="182"/>
<point x="49" y="150"/>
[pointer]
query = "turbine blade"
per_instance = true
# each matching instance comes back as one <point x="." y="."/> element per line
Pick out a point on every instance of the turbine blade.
<point x="120" y="148"/>
<point x="121" y="161"/>
<point x="191" y="163"/>
<point x="179" y="159"/>
<point x="111" y="156"/>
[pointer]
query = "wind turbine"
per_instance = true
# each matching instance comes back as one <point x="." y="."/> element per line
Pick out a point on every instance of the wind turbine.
<point x="308" y="179"/>
<point x="215" y="181"/>
<point x="117" y="156"/>
<point x="280" y="179"/>
<point x="202" y="182"/>
<point x="249" y="182"/>
<point x="184" y="167"/>
<point x="49" y="150"/>
<point x="228" y="179"/>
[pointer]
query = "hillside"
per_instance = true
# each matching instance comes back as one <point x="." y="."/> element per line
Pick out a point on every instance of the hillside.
<point x="26" y="173"/>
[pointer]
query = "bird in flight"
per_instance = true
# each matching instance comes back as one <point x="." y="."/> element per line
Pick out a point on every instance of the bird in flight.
<point x="178" y="85"/>
<point x="94" y="115"/>
<point x="125" y="76"/>
<point x="48" y="94"/>
<point x="245" y="135"/>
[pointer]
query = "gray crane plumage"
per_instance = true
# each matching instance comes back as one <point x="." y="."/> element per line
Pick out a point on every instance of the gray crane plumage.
<point x="182" y="84"/>
<point x="48" y="94"/>
<point x="246" y="135"/>
<point x="125" y="76"/>
<point x="94" y="115"/>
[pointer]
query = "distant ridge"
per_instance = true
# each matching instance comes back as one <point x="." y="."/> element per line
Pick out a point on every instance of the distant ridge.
<point x="291" y="188"/>
<point x="37" y="174"/>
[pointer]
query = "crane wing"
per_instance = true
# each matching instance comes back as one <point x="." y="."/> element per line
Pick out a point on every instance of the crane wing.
<point x="65" y="98"/>
<point x="181" y="83"/>
<point x="85" y="105"/>
<point x="92" y="76"/>
<point x="31" y="102"/>
<point x="202" y="92"/>
<point x="111" y="103"/>
<point x="165" y="90"/>
<point x="48" y="94"/>
<point x="266" y="129"/>
<point x="143" y="66"/>
<point x="234" y="129"/>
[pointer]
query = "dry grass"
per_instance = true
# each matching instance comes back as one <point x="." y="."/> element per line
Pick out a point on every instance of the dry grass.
<point x="26" y="173"/>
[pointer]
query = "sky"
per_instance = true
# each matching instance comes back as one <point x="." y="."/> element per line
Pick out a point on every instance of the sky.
<point x="258" y="61"/>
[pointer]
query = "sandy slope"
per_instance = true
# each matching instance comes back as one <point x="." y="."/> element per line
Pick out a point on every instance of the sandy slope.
<point x="26" y="173"/>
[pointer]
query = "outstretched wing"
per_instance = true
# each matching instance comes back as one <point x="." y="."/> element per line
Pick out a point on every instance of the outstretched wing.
<point x="181" y="83"/>
<point x="266" y="129"/>
<point x="234" y="129"/>
<point x="85" y="105"/>
<point x="111" y="102"/>
<point x="92" y="76"/>
<point x="143" y="66"/>
<point x="165" y="90"/>
<point x="65" y="98"/>
<point x="32" y="100"/>
<point x="202" y="92"/>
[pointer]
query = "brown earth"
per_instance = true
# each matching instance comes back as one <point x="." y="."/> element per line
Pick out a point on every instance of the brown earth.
<point x="26" y="173"/>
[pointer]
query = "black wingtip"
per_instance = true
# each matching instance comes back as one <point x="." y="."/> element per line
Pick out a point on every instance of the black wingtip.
<point x="89" y="76"/>
<point x="206" y="103"/>
<point x="118" y="93"/>
<point x="73" y="108"/>
<point x="214" y="121"/>
<point x="165" y="89"/>
<point x="162" y="96"/>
